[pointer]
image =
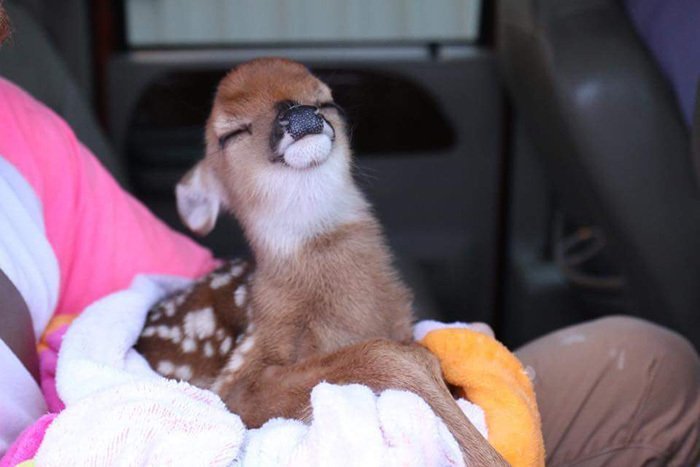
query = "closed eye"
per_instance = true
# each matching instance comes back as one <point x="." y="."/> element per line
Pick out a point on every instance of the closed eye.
<point x="332" y="105"/>
<point x="231" y="135"/>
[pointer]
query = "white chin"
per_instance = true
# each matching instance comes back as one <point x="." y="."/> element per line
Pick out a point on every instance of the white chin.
<point x="309" y="151"/>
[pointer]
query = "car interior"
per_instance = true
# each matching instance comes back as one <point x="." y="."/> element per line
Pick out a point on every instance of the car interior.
<point x="528" y="159"/>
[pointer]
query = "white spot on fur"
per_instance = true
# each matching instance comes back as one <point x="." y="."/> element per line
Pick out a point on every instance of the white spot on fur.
<point x="155" y="316"/>
<point x="200" y="323"/>
<point x="240" y="338"/>
<point x="219" y="280"/>
<point x="208" y="349"/>
<point x="246" y="345"/>
<point x="225" y="346"/>
<point x="219" y="334"/>
<point x="169" y="333"/>
<point x="571" y="339"/>
<point x="183" y="372"/>
<point x="235" y="363"/>
<point x="188" y="345"/>
<point x="165" y="367"/>
<point x="175" y="334"/>
<point x="148" y="331"/>
<point x="180" y="299"/>
<point x="169" y="308"/>
<point x="239" y="295"/>
<point x="237" y="270"/>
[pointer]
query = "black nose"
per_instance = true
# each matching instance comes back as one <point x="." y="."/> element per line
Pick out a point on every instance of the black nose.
<point x="301" y="120"/>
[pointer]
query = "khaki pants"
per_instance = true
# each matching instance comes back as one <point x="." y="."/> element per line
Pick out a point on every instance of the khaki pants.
<point x="617" y="392"/>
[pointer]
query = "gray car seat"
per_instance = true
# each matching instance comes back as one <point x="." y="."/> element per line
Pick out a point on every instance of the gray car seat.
<point x="613" y="142"/>
<point x="30" y="60"/>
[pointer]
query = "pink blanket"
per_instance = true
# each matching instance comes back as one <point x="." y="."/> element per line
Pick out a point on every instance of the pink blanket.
<point x="101" y="236"/>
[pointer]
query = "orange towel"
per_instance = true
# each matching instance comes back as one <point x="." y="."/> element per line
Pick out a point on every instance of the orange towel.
<point x="493" y="378"/>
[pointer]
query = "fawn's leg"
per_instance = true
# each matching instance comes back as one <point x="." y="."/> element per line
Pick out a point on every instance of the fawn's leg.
<point x="283" y="391"/>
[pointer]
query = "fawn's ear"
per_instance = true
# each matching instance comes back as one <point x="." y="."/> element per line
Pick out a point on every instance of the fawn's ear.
<point x="198" y="200"/>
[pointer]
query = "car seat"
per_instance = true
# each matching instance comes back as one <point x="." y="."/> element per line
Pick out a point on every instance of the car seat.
<point x="613" y="142"/>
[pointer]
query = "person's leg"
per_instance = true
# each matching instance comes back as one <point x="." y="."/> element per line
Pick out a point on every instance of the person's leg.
<point x="617" y="391"/>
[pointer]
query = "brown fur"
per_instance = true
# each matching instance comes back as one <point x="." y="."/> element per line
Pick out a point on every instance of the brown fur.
<point x="340" y="290"/>
<point x="231" y="323"/>
<point x="334" y="309"/>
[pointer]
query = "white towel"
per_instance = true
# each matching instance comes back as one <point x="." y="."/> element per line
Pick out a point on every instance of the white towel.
<point x="120" y="412"/>
<point x="354" y="427"/>
<point x="143" y="423"/>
